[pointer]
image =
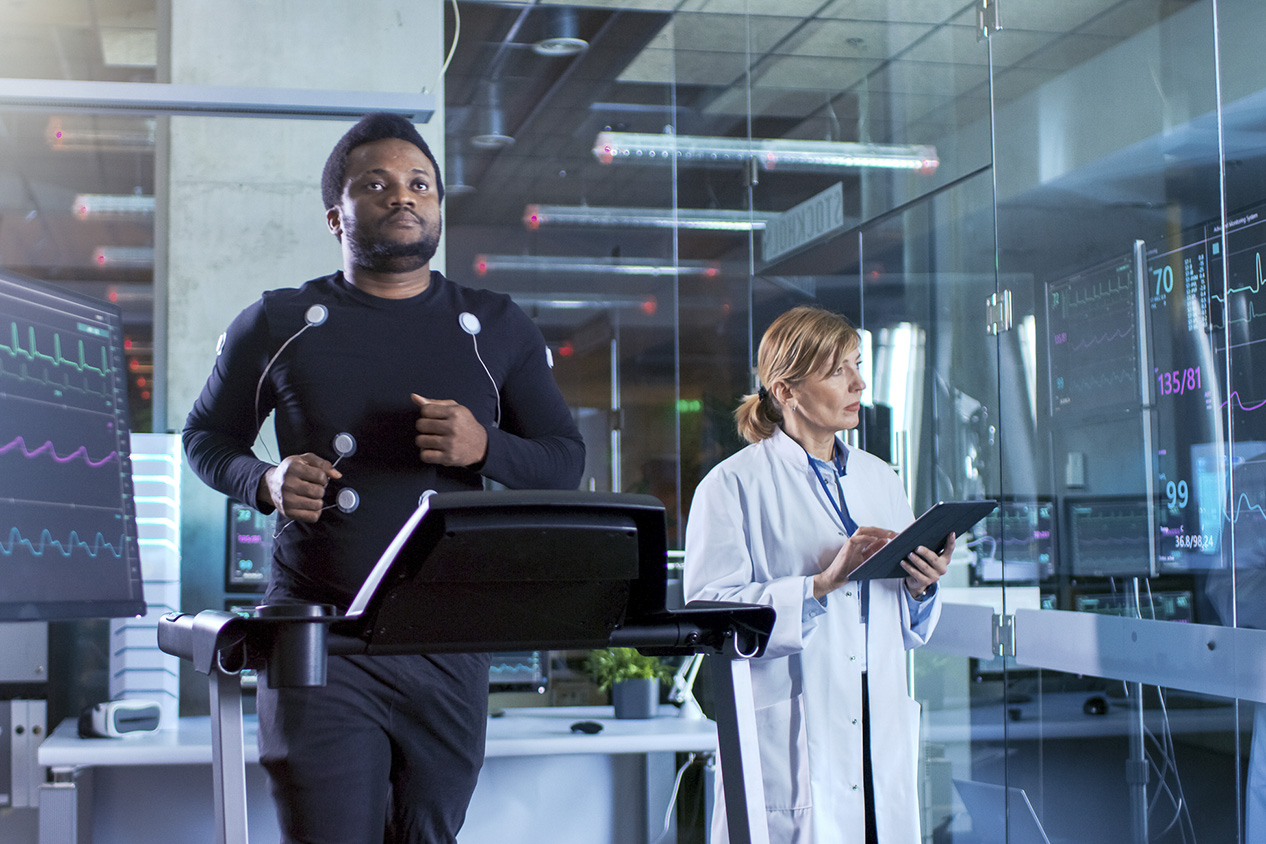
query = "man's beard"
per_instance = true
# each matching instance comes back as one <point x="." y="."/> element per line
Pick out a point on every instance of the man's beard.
<point x="391" y="256"/>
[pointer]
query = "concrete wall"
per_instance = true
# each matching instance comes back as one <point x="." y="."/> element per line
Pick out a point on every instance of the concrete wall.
<point x="243" y="199"/>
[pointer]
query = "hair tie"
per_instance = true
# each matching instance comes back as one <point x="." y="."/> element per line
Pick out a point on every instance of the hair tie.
<point x="762" y="394"/>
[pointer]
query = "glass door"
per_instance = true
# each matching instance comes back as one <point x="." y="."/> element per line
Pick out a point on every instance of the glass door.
<point x="1118" y="524"/>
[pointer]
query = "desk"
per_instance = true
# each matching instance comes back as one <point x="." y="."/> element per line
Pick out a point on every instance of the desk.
<point x="1075" y="767"/>
<point x="1059" y="715"/>
<point x="156" y="788"/>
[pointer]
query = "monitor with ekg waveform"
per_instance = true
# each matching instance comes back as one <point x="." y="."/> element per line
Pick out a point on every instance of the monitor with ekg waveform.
<point x="68" y="536"/>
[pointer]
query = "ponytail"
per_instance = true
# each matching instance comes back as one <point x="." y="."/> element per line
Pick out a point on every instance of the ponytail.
<point x="757" y="417"/>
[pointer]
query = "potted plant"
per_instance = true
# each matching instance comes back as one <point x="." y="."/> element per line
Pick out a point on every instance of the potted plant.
<point x="633" y="679"/>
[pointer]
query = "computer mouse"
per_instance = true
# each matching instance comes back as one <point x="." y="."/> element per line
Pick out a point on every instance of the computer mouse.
<point x="1095" y="706"/>
<point x="589" y="727"/>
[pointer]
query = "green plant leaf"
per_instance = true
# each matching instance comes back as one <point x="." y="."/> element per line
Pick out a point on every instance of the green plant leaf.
<point x="611" y="665"/>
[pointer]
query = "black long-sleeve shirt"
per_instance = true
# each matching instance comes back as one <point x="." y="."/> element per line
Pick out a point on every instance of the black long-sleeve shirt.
<point x="353" y="374"/>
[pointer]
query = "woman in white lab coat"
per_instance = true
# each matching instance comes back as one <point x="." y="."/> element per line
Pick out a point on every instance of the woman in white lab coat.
<point x="768" y="526"/>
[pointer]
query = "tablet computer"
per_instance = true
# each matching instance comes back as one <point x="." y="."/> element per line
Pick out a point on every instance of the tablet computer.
<point x="930" y="529"/>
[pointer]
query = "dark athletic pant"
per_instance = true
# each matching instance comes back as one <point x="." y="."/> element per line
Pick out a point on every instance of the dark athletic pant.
<point x="388" y="750"/>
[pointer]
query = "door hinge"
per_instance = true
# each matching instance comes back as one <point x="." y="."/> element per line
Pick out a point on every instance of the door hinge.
<point x="998" y="312"/>
<point x="987" y="21"/>
<point x="1003" y="635"/>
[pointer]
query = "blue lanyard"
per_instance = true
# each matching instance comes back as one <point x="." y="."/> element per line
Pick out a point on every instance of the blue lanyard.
<point x="841" y="509"/>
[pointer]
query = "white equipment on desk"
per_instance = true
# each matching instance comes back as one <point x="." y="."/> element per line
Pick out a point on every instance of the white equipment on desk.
<point x="682" y="691"/>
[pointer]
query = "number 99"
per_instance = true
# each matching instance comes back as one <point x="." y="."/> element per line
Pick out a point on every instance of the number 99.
<point x="1176" y="493"/>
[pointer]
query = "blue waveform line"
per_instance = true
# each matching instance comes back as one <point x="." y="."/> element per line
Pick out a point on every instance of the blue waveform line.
<point x="1089" y="295"/>
<point x="1116" y="540"/>
<point x="512" y="669"/>
<point x="1023" y="540"/>
<point x="23" y="375"/>
<point x="1255" y="287"/>
<point x="73" y="542"/>
<point x="1095" y="382"/>
<point x="79" y="453"/>
<point x="1243" y="499"/>
<point x="1252" y="315"/>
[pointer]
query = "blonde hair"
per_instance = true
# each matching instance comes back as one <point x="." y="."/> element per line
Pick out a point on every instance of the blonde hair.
<point x="801" y="342"/>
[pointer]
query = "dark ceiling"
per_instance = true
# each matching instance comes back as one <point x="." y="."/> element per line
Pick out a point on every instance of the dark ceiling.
<point x="884" y="71"/>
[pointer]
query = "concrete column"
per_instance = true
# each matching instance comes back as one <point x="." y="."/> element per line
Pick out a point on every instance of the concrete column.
<point x="243" y="200"/>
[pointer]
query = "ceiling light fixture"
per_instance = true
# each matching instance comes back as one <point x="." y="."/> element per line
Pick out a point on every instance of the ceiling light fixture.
<point x="455" y="183"/>
<point x="151" y="98"/>
<point x="112" y="206"/>
<point x="705" y="219"/>
<point x="566" y="40"/>
<point x="485" y="264"/>
<point x="772" y="154"/>
<point x="106" y="133"/>
<point x="494" y="134"/>
<point x="132" y="257"/>
<point x="577" y="302"/>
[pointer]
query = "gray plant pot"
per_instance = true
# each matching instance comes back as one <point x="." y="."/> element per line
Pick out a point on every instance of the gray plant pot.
<point x="636" y="698"/>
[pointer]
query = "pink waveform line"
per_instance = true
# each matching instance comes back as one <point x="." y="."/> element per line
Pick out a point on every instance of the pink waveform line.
<point x="79" y="453"/>
<point x="1235" y="395"/>
<point x="1102" y="338"/>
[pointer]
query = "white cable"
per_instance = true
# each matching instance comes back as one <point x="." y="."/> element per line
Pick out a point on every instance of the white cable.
<point x="457" y="34"/>
<point x="672" y="800"/>
<point x="259" y="385"/>
<point x="496" y="422"/>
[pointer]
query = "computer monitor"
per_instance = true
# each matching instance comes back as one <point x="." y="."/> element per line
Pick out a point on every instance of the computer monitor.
<point x="1093" y="349"/>
<point x="1016" y="542"/>
<point x="248" y="548"/>
<point x="68" y="536"/>
<point x="1172" y="605"/>
<point x="519" y="671"/>
<point x="1108" y="536"/>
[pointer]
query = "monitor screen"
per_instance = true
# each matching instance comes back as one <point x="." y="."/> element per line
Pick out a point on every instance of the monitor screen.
<point x="249" y="548"/>
<point x="68" y="537"/>
<point x="1175" y="605"/>
<point x="1107" y="536"/>
<point x="1094" y="346"/>
<point x="512" y="671"/>
<point x="1016" y="542"/>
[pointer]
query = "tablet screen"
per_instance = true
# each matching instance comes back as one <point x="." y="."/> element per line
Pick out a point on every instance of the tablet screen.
<point x="930" y="529"/>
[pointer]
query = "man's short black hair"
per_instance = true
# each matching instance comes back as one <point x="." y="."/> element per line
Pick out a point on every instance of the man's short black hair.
<point x="372" y="127"/>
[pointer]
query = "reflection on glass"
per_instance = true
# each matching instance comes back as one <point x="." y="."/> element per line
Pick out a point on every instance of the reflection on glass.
<point x="77" y="210"/>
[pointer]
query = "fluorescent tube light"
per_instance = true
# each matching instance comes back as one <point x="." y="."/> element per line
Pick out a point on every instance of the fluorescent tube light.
<point x="151" y="98"/>
<point x="95" y="134"/>
<point x="136" y="257"/>
<point x="485" y="264"/>
<point x="112" y="206"/>
<point x="535" y="216"/>
<point x="772" y="154"/>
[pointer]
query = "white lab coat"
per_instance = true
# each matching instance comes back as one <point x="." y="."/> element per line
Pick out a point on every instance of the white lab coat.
<point x="760" y="527"/>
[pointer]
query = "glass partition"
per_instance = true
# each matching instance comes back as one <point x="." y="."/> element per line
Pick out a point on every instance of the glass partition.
<point x="77" y="209"/>
<point x="1047" y="219"/>
<point x="1113" y="244"/>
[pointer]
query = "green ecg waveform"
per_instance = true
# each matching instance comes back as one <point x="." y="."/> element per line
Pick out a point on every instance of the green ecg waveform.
<point x="33" y="354"/>
<point x="1254" y="287"/>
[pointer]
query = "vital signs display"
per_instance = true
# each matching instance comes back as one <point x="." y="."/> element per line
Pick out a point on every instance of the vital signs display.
<point x="68" y="537"/>
<point x="1169" y="334"/>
